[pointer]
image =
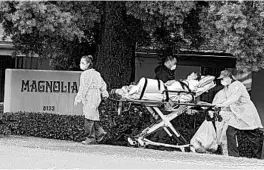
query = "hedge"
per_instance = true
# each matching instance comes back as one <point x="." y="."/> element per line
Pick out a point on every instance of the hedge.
<point x="119" y="127"/>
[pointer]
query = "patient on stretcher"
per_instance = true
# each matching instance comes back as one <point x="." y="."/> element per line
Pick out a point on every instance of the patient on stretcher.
<point x="153" y="89"/>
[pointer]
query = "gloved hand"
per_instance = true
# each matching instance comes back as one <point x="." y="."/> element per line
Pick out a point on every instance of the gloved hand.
<point x="75" y="103"/>
<point x="219" y="105"/>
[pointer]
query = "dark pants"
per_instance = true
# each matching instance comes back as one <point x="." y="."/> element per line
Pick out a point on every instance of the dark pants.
<point x="231" y="134"/>
<point x="93" y="129"/>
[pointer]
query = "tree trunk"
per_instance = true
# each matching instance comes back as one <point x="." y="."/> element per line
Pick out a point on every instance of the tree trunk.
<point x="115" y="51"/>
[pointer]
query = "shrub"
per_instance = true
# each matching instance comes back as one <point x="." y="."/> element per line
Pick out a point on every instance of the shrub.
<point x="4" y="130"/>
<point x="249" y="140"/>
<point x="119" y="127"/>
<point x="45" y="125"/>
<point x="71" y="127"/>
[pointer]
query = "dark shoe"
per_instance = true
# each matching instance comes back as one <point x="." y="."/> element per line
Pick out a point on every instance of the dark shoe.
<point x="89" y="141"/>
<point x="101" y="138"/>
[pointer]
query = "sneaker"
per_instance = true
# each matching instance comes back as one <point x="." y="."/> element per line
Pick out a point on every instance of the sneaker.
<point x="89" y="142"/>
<point x="224" y="150"/>
<point x="192" y="149"/>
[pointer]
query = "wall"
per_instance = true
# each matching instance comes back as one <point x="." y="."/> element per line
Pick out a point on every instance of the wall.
<point x="257" y="92"/>
<point x="19" y="62"/>
<point x="32" y="63"/>
<point x="207" y="65"/>
<point x="5" y="62"/>
<point x="183" y="71"/>
<point x="145" y="68"/>
<point x="41" y="91"/>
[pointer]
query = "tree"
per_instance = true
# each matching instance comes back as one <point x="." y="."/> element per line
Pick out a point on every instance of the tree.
<point x="172" y="25"/>
<point x="56" y="29"/>
<point x="236" y="28"/>
<point x="124" y="24"/>
<point x="49" y="29"/>
<point x="164" y="20"/>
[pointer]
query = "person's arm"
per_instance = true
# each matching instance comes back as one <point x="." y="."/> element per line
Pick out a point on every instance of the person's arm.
<point x="218" y="98"/>
<point x="103" y="89"/>
<point x="81" y="90"/>
<point x="85" y="83"/>
<point x="236" y="94"/>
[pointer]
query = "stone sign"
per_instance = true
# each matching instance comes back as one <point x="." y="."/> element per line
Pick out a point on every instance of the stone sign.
<point x="41" y="91"/>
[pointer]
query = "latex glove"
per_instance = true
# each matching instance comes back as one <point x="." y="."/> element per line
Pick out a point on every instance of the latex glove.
<point x="75" y="103"/>
<point x="220" y="105"/>
<point x="211" y="114"/>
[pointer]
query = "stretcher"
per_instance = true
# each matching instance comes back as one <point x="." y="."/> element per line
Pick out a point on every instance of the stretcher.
<point x="175" y="108"/>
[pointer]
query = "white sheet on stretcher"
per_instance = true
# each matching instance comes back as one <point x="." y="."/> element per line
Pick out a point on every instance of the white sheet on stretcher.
<point x="156" y="94"/>
<point x="172" y="96"/>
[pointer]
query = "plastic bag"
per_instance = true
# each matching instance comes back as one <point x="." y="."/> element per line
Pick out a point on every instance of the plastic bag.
<point x="205" y="140"/>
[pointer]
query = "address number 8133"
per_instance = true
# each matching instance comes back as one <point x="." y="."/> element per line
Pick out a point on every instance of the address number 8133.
<point x="48" y="108"/>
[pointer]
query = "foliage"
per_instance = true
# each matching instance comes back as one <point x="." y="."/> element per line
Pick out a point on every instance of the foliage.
<point x="164" y="20"/>
<point x="50" y="29"/>
<point x="248" y="141"/>
<point x="131" y="122"/>
<point x="192" y="28"/>
<point x="118" y="127"/>
<point x="236" y="28"/>
<point x="66" y="30"/>
<point x="4" y="130"/>
<point x="71" y="127"/>
<point x="119" y="34"/>
<point x="46" y="125"/>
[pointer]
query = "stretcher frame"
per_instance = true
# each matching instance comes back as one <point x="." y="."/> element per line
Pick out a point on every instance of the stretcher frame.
<point x="140" y="140"/>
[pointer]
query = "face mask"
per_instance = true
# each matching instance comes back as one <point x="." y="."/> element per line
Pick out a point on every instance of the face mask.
<point x="84" y="67"/>
<point x="224" y="82"/>
<point x="173" y="67"/>
<point x="83" y="64"/>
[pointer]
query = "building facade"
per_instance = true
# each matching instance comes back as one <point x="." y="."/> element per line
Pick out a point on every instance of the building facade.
<point x="19" y="62"/>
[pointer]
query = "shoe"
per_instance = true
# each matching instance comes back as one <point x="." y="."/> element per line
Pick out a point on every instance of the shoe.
<point x="89" y="142"/>
<point x="101" y="138"/>
<point x="192" y="149"/>
<point x="224" y="149"/>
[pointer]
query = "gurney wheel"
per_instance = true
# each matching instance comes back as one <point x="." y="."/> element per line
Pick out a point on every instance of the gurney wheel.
<point x="144" y="146"/>
<point x="132" y="142"/>
<point x="141" y="143"/>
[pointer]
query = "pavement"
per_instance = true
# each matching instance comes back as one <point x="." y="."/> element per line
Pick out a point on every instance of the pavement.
<point x="21" y="152"/>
